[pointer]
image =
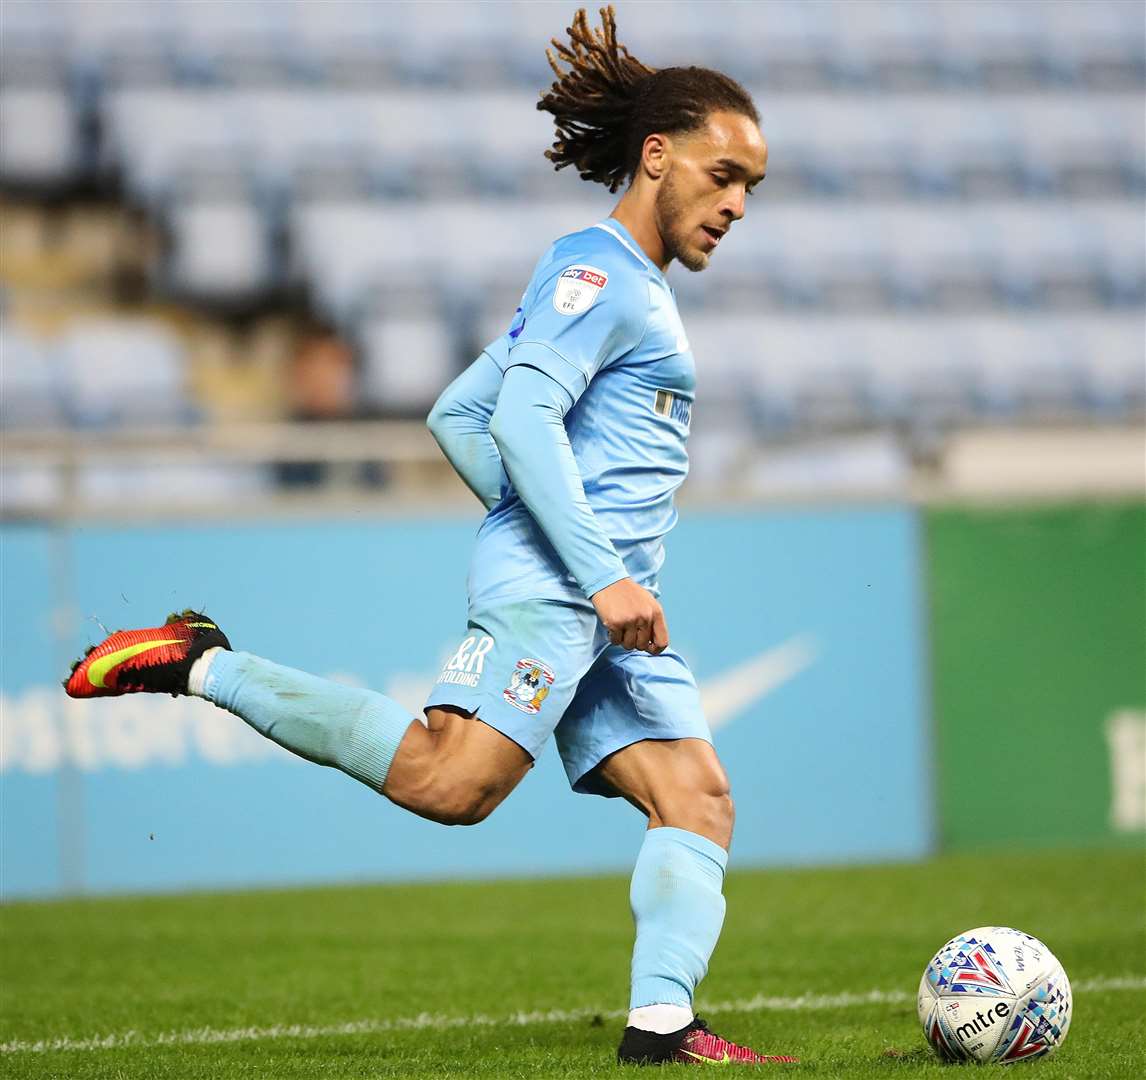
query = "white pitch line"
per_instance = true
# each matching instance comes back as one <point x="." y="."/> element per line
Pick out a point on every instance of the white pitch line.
<point x="211" y="1036"/>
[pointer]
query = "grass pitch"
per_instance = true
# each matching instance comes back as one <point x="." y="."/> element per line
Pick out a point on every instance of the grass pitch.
<point x="430" y="980"/>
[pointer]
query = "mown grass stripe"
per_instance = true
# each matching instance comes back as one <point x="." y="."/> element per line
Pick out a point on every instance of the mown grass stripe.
<point x="759" y="1003"/>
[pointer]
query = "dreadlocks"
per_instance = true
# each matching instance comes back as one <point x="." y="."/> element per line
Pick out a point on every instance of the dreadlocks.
<point x="607" y="103"/>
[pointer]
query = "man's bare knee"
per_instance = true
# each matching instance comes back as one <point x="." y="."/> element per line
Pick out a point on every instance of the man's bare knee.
<point x="465" y="806"/>
<point x="716" y="795"/>
<point x="706" y="809"/>
<point x="445" y="796"/>
<point x="721" y="813"/>
<point x="711" y="814"/>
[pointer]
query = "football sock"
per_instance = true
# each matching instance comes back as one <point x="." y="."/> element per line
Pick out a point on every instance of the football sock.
<point x="357" y="731"/>
<point x="660" y="1019"/>
<point x="679" y="909"/>
<point x="197" y="676"/>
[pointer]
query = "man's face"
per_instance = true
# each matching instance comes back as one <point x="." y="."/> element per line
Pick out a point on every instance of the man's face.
<point x="710" y="174"/>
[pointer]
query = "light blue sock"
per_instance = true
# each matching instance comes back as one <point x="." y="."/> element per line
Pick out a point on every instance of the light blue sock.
<point x="357" y="731"/>
<point x="679" y="910"/>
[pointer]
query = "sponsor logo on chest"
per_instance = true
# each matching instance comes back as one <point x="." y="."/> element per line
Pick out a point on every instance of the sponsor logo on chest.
<point x="666" y="403"/>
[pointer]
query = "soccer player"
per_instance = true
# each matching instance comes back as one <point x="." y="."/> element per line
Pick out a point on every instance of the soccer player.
<point x="571" y="429"/>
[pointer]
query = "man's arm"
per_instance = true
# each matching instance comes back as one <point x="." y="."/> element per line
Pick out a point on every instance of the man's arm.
<point x="528" y="427"/>
<point x="459" y="421"/>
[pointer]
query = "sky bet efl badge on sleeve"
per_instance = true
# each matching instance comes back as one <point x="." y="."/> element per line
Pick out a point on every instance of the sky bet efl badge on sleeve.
<point x="577" y="288"/>
<point x="528" y="685"/>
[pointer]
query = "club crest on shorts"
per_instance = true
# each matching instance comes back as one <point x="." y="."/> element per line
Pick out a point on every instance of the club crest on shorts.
<point x="577" y="288"/>
<point x="528" y="685"/>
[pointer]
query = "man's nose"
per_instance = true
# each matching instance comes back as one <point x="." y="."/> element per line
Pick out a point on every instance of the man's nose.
<point x="733" y="204"/>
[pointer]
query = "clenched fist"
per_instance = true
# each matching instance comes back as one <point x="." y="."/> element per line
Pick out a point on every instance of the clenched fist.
<point x="633" y="617"/>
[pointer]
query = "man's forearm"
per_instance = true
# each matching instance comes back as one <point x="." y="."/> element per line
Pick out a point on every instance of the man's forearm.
<point x="529" y="430"/>
<point x="475" y="458"/>
<point x="459" y="421"/>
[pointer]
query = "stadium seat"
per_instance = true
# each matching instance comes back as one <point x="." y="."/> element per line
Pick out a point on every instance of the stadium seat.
<point x="827" y="45"/>
<point x="1117" y="250"/>
<point x="405" y="362"/>
<point x="129" y="372"/>
<point x="927" y="146"/>
<point x="338" y="247"/>
<point x="39" y="136"/>
<point x="1111" y="351"/>
<point x="1018" y="368"/>
<point x="220" y="251"/>
<point x="899" y="262"/>
<point x="914" y="371"/>
<point x="30" y="392"/>
<point x="782" y="372"/>
<point x="281" y="129"/>
<point x="157" y="132"/>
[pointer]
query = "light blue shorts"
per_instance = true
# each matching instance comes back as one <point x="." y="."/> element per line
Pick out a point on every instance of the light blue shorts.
<point x="534" y="668"/>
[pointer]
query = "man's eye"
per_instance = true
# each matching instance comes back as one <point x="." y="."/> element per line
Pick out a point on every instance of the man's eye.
<point x="721" y="180"/>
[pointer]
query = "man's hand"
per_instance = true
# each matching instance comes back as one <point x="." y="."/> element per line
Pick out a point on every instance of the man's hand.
<point x="633" y="617"/>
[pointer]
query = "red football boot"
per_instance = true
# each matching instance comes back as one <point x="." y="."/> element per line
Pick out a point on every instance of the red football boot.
<point x="157" y="660"/>
<point x="692" y="1045"/>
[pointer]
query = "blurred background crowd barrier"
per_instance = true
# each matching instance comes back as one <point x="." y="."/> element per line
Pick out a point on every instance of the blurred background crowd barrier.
<point x="244" y="245"/>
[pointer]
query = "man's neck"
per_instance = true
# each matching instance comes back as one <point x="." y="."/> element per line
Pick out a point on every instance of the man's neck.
<point x="634" y="213"/>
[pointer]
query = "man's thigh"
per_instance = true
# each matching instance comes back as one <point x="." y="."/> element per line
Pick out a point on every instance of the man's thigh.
<point x="517" y="667"/>
<point x="455" y="769"/>
<point x="627" y="697"/>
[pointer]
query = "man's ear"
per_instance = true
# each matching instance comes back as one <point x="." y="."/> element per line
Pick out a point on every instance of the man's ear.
<point x="656" y="154"/>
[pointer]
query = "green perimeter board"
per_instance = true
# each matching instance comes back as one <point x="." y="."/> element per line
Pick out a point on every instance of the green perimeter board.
<point x="1038" y="619"/>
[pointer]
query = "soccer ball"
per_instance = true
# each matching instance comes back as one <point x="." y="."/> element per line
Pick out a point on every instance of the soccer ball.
<point x="994" y="994"/>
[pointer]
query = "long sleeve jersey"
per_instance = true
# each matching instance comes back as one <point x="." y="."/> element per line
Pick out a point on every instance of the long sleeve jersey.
<point x="578" y="455"/>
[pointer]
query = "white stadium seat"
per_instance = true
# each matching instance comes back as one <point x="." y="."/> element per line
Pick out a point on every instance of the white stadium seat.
<point x="30" y="391"/>
<point x="972" y="240"/>
<point x="406" y="362"/>
<point x="118" y="371"/>
<point x="220" y="250"/>
<point x="39" y="138"/>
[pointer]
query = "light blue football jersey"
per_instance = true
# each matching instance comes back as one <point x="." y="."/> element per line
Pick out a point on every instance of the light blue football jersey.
<point x="601" y="320"/>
